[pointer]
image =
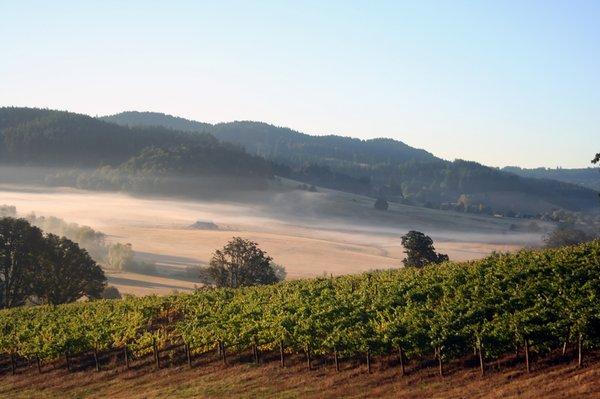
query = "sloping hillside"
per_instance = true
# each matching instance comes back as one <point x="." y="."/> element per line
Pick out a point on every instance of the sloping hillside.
<point x="283" y="144"/>
<point x="118" y="157"/>
<point x="56" y="138"/>
<point x="587" y="177"/>
<point x="385" y="167"/>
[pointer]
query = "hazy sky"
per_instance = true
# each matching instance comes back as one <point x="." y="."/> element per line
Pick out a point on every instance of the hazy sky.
<point x="497" y="82"/>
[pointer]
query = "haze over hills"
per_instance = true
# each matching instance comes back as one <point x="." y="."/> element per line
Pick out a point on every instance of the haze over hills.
<point x="587" y="177"/>
<point x="95" y="154"/>
<point x="284" y="144"/>
<point x="138" y="151"/>
<point x="383" y="167"/>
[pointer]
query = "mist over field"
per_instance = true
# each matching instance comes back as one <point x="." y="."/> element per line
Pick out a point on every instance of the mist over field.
<point x="310" y="234"/>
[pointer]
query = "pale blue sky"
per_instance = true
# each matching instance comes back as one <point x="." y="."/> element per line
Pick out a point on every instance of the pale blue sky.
<point x="498" y="82"/>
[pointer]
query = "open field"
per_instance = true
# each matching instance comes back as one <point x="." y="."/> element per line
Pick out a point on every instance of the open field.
<point x="309" y="233"/>
<point x="553" y="377"/>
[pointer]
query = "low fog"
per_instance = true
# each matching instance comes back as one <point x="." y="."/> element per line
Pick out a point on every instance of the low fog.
<point x="310" y="234"/>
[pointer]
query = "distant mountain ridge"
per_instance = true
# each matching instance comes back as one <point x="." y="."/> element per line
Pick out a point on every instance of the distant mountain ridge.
<point x="92" y="153"/>
<point x="151" y="152"/>
<point x="384" y="167"/>
<point x="586" y="177"/>
<point x="281" y="143"/>
<point x="149" y="119"/>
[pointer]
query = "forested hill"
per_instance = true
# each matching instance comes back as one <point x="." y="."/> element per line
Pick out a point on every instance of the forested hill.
<point x="39" y="137"/>
<point x="283" y="144"/>
<point x="386" y="168"/>
<point x="587" y="177"/>
<point x="135" y="118"/>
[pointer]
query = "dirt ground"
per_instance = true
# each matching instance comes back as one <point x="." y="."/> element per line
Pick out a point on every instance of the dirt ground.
<point x="553" y="377"/>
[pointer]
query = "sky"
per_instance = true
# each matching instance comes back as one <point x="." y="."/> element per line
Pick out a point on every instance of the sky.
<point x="497" y="82"/>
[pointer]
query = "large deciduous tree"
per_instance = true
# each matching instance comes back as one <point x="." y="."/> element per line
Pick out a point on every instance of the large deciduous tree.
<point x="20" y="247"/>
<point x="53" y="269"/>
<point x="419" y="250"/>
<point x="241" y="263"/>
<point x="67" y="273"/>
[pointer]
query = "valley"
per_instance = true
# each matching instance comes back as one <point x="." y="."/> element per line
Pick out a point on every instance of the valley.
<point x="310" y="234"/>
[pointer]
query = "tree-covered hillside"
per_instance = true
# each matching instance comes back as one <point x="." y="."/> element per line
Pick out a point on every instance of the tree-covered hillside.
<point x="386" y="168"/>
<point x="135" y="118"/>
<point x="119" y="157"/>
<point x="283" y="144"/>
<point x="587" y="177"/>
<point x="56" y="138"/>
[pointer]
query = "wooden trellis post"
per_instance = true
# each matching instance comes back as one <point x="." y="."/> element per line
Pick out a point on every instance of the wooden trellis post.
<point x="126" y="356"/>
<point x="579" y="351"/>
<point x="401" y="355"/>
<point x="188" y="355"/>
<point x="13" y="363"/>
<point x="96" y="358"/>
<point x="527" y="366"/>
<point x="156" y="356"/>
<point x="67" y="361"/>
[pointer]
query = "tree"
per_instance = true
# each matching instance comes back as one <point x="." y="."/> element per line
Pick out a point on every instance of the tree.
<point x="419" y="250"/>
<point x="119" y="256"/>
<point x="596" y="158"/>
<point x="563" y="236"/>
<point x="66" y="273"/>
<point x="20" y="248"/>
<point x="111" y="292"/>
<point x="381" y="204"/>
<point x="242" y="263"/>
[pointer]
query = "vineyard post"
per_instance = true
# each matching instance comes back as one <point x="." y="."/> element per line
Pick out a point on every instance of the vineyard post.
<point x="402" y="371"/>
<point x="255" y="353"/>
<point x="156" y="356"/>
<point x="13" y="363"/>
<point x="39" y="365"/>
<point x="440" y="365"/>
<point x="281" y="355"/>
<point x="308" y="358"/>
<point x="223" y="351"/>
<point x="527" y="356"/>
<point x="96" y="358"/>
<point x="336" y="360"/>
<point x="564" y="350"/>
<point x="579" y="350"/>
<point x="481" y="363"/>
<point x="480" y="350"/>
<point x="369" y="360"/>
<point x="67" y="360"/>
<point x="126" y="355"/>
<point x="188" y="355"/>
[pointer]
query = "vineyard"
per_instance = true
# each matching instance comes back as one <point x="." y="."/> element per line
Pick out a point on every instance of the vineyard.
<point x="529" y="301"/>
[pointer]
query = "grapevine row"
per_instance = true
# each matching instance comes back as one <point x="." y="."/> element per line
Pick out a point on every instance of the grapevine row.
<point x="535" y="300"/>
